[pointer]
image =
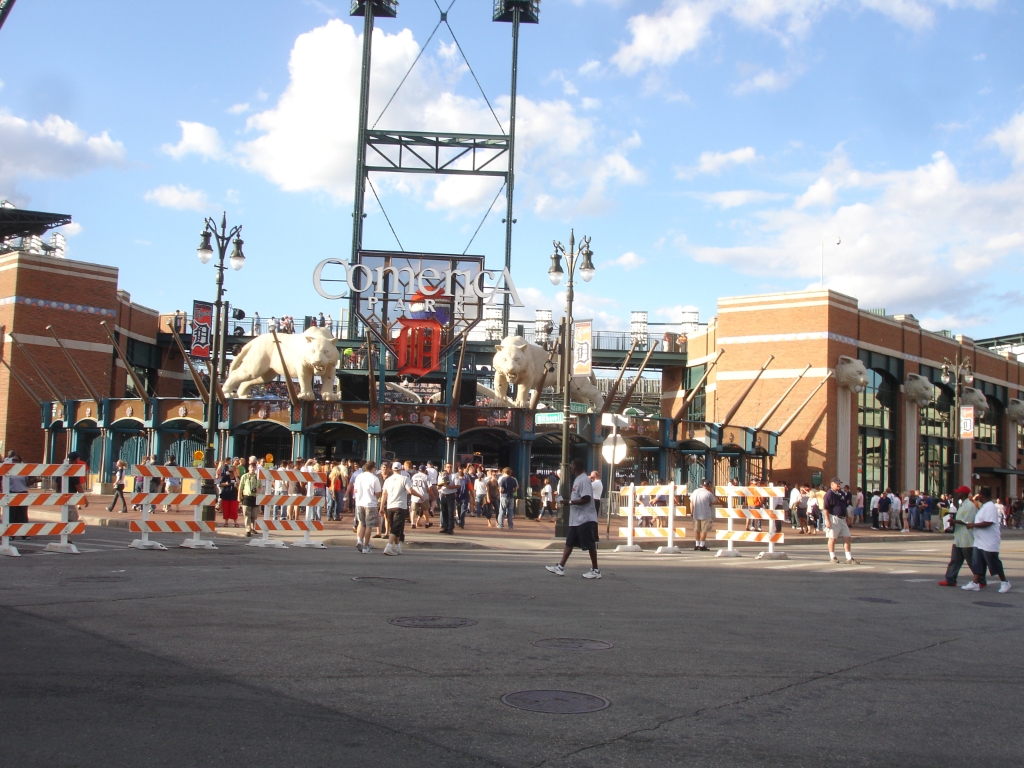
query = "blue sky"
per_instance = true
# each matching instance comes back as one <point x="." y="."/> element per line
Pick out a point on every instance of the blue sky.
<point x="708" y="147"/>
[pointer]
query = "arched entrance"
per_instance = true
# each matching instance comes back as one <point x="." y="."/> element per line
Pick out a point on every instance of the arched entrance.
<point x="130" y="442"/>
<point x="491" y="447"/>
<point x="415" y="443"/>
<point x="546" y="454"/>
<point x="182" y="438"/>
<point x="260" y="438"/>
<point x="337" y="441"/>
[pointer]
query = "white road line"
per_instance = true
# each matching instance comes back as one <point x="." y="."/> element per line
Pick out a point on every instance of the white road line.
<point x="794" y="565"/>
<point x="901" y="573"/>
<point x="846" y="568"/>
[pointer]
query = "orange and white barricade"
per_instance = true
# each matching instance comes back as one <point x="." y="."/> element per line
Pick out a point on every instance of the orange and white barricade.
<point x="736" y="496"/>
<point x="634" y="501"/>
<point x="268" y="500"/>
<point x="66" y="500"/>
<point x="197" y="526"/>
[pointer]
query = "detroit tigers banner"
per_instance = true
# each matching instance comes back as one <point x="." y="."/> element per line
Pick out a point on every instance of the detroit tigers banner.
<point x="582" y="348"/>
<point x="202" y="329"/>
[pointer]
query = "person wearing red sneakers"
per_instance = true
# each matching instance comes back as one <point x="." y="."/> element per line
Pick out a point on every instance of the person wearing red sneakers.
<point x="963" y="537"/>
<point x="986" y="544"/>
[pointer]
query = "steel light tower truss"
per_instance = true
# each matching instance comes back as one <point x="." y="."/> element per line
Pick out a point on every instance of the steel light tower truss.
<point x="467" y="154"/>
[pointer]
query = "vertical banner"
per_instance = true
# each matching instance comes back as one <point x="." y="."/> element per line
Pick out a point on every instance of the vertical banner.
<point x="582" y="348"/>
<point x="202" y="329"/>
<point x="966" y="422"/>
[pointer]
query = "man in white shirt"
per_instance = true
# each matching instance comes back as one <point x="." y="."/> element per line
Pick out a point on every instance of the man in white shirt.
<point x="421" y="506"/>
<point x="394" y="502"/>
<point x="794" y="506"/>
<point x="895" y="516"/>
<point x="598" y="486"/>
<point x="367" y="491"/>
<point x="582" y="523"/>
<point x="986" y="544"/>
<point x="701" y="502"/>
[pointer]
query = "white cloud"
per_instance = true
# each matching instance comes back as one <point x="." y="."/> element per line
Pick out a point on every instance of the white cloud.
<point x="72" y="229"/>
<point x="238" y="109"/>
<point x="716" y="162"/>
<point x="909" y="237"/>
<point x="306" y="141"/>
<point x="1010" y="138"/>
<point x="679" y="27"/>
<point x="680" y="313"/>
<point x="589" y="67"/>
<point x="766" y="80"/>
<point x="821" y="192"/>
<point x="196" y="139"/>
<point x="53" y="148"/>
<point x="179" y="197"/>
<point x="661" y="38"/>
<point x="628" y="261"/>
<point x="735" y="198"/>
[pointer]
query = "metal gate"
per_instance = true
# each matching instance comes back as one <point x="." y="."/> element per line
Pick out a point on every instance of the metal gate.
<point x="182" y="450"/>
<point x="133" y="449"/>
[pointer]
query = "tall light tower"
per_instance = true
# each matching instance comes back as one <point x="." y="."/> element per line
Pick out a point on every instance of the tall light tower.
<point x="518" y="12"/>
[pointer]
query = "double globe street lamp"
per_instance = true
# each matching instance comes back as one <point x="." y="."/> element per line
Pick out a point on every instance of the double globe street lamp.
<point x="555" y="274"/>
<point x="959" y="373"/>
<point x="223" y="237"/>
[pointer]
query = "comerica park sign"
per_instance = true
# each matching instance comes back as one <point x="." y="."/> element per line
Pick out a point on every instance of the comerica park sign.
<point x="399" y="283"/>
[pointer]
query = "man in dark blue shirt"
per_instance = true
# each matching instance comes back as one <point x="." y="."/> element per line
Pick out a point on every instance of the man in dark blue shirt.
<point x="836" y="505"/>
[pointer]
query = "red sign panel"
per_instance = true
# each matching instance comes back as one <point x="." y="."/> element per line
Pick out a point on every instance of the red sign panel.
<point x="202" y="329"/>
<point x="419" y="346"/>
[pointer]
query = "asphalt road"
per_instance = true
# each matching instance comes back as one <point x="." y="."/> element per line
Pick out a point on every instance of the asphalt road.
<point x="245" y="657"/>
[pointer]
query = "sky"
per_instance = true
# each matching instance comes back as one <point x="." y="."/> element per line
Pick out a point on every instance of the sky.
<point x="708" y="147"/>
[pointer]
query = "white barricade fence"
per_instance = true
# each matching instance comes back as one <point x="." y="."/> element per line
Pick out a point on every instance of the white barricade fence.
<point x="639" y="501"/>
<point x="67" y="501"/>
<point x="197" y="526"/>
<point x="736" y="509"/>
<point x="268" y="500"/>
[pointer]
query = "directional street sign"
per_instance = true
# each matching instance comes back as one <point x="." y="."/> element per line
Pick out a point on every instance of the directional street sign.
<point x="549" y="417"/>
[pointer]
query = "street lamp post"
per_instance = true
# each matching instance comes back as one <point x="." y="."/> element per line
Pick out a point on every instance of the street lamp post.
<point x="555" y="274"/>
<point x="959" y="372"/>
<point x="205" y="252"/>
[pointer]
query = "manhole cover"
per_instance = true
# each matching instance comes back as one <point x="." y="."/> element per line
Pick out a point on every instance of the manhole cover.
<point x="431" y="622"/>
<point x="555" y="702"/>
<point x="873" y="600"/>
<point x="988" y="604"/>
<point x="572" y="644"/>
<point x="381" y="580"/>
<point x="95" y="579"/>
<point x="502" y="595"/>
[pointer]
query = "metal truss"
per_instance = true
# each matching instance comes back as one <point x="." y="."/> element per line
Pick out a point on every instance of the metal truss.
<point x="468" y="154"/>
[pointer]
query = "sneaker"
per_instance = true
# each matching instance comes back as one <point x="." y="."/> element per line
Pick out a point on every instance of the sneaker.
<point x="971" y="587"/>
<point x="359" y="547"/>
<point x="593" y="573"/>
<point x="1004" y="587"/>
<point x="833" y="560"/>
<point x="367" y="549"/>
<point x="851" y="561"/>
<point x="945" y="583"/>
<point x="696" y="548"/>
<point x="389" y="551"/>
<point x="398" y="548"/>
<point x="555" y="569"/>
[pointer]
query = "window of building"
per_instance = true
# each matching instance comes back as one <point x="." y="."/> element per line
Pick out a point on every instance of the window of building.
<point x="937" y="444"/>
<point x="937" y="416"/>
<point x="698" y="406"/>
<point x="876" y="418"/>
<point x="986" y="429"/>
<point x="876" y="405"/>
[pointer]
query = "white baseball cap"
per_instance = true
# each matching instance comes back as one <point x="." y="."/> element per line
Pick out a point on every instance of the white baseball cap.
<point x="397" y="465"/>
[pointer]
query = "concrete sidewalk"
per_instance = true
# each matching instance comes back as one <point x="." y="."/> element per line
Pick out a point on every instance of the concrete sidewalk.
<point x="528" y="535"/>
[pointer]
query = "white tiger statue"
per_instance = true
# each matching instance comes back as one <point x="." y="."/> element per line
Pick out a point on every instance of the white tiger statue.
<point x="310" y="353"/>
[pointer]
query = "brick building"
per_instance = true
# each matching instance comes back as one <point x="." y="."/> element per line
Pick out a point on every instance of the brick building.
<point x="41" y="288"/>
<point x="884" y="417"/>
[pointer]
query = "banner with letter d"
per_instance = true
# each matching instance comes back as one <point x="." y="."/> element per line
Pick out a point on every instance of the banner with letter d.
<point x="582" y="348"/>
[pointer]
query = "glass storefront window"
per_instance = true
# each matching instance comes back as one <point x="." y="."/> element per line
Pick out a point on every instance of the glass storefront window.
<point x="875" y="405"/>
<point x="986" y="429"/>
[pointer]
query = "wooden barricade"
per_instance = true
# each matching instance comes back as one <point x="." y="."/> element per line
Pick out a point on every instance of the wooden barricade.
<point x="66" y="500"/>
<point x="268" y="500"/>
<point x="736" y="495"/>
<point x="634" y="501"/>
<point x="197" y="526"/>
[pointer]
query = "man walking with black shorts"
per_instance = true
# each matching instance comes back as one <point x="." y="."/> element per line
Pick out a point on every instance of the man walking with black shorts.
<point x="582" y="523"/>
